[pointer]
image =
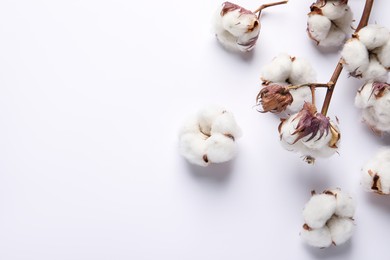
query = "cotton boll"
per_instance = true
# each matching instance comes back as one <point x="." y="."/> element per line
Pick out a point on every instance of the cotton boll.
<point x="375" y="71"/>
<point x="383" y="54"/>
<point x="319" y="209"/>
<point x="236" y="28"/>
<point x="334" y="38"/>
<point x="300" y="96"/>
<point x="373" y="36"/>
<point x="301" y="72"/>
<point x="317" y="237"/>
<point x="286" y="132"/>
<point x="345" y="22"/>
<point x="226" y="124"/>
<point x="207" y="116"/>
<point x="278" y="70"/>
<point x="355" y="56"/>
<point x="376" y="173"/>
<point x="318" y="27"/>
<point x="341" y="229"/>
<point x="334" y="10"/>
<point x="193" y="148"/>
<point x="220" y="148"/>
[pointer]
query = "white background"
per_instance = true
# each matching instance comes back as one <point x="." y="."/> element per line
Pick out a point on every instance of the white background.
<point x="92" y="94"/>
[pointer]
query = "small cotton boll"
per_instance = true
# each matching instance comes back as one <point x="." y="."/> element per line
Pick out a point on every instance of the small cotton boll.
<point x="319" y="209"/>
<point x="373" y="36"/>
<point x="341" y="229"/>
<point x="334" y="38"/>
<point x="318" y="27"/>
<point x="207" y="116"/>
<point x="355" y="56"/>
<point x="301" y="72"/>
<point x="376" y="173"/>
<point x="345" y="22"/>
<point x="300" y="96"/>
<point x="220" y="148"/>
<point x="317" y="237"/>
<point x="383" y="54"/>
<point x="236" y="28"/>
<point x="193" y="148"/>
<point x="334" y="10"/>
<point x="375" y="71"/>
<point x="278" y="70"/>
<point x="226" y="124"/>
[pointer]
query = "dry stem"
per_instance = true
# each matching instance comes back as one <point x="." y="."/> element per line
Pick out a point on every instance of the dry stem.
<point x="333" y="80"/>
<point x="268" y="5"/>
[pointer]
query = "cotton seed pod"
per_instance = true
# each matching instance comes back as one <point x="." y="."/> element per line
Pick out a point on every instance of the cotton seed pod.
<point x="329" y="22"/>
<point x="374" y="100"/>
<point x="236" y="28"/>
<point x="376" y="173"/>
<point x="328" y="219"/>
<point x="367" y="55"/>
<point x="209" y="136"/>
<point x="310" y="134"/>
<point x="285" y="70"/>
<point x="274" y="98"/>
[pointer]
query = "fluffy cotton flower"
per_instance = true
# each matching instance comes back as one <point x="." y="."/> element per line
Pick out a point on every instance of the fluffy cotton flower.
<point x="209" y="136"/>
<point x="236" y="28"/>
<point x="329" y="22"/>
<point x="310" y="134"/>
<point x="367" y="55"/>
<point x="284" y="71"/>
<point x="374" y="100"/>
<point x="328" y="219"/>
<point x="376" y="173"/>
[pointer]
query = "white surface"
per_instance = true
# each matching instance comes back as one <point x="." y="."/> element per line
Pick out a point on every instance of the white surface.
<point x="92" y="94"/>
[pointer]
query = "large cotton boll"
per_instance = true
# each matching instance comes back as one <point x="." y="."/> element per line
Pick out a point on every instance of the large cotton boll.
<point x="373" y="36"/>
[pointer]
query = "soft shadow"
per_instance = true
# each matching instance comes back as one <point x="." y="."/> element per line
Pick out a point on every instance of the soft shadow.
<point x="381" y="201"/>
<point x="217" y="173"/>
<point x="312" y="178"/>
<point x="330" y="252"/>
<point x="325" y="50"/>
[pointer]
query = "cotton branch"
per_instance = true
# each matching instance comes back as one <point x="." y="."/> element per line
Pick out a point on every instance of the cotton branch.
<point x="333" y="80"/>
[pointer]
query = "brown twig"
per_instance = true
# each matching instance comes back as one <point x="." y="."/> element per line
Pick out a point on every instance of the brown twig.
<point x="268" y="5"/>
<point x="333" y="80"/>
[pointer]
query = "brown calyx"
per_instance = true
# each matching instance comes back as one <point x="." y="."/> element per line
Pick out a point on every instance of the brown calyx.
<point x="274" y="98"/>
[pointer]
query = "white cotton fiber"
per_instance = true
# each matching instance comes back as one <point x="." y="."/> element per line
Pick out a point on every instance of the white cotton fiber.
<point x="333" y="9"/>
<point x="334" y="38"/>
<point x="278" y="70"/>
<point x="373" y="36"/>
<point x="207" y="116"/>
<point x="333" y="219"/>
<point x="226" y="124"/>
<point x="317" y="237"/>
<point x="301" y="72"/>
<point x="377" y="170"/>
<point x="209" y="136"/>
<point x="345" y="22"/>
<point x="220" y="148"/>
<point x="193" y="148"/>
<point x="318" y="26"/>
<point x="319" y="209"/>
<point x="300" y="96"/>
<point x="364" y="97"/>
<point x="341" y="229"/>
<point x="383" y="54"/>
<point x="355" y="56"/>
<point x="375" y="71"/>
